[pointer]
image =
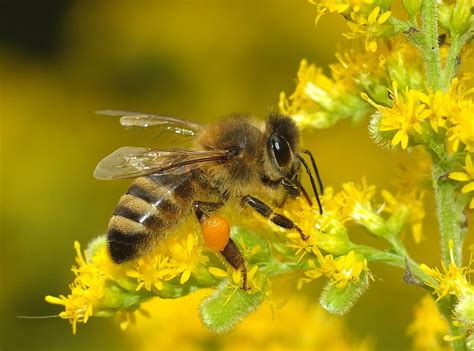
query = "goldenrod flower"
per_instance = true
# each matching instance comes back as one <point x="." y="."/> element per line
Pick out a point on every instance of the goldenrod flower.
<point x="368" y="26"/>
<point x="467" y="176"/>
<point x="187" y="256"/>
<point x="320" y="101"/>
<point x="452" y="279"/>
<point x="341" y="271"/>
<point x="151" y="271"/>
<point x="340" y="6"/>
<point x="87" y="290"/>
<point x="405" y="116"/>
<point x="452" y="110"/>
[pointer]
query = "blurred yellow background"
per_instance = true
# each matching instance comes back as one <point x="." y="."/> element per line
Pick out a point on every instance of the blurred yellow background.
<point x="193" y="59"/>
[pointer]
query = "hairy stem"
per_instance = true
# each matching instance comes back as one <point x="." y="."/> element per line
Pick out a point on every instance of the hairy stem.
<point x="429" y="46"/>
<point x="450" y="214"/>
<point x="392" y="259"/>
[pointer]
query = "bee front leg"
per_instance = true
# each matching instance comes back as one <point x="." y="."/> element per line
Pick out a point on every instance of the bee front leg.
<point x="276" y="218"/>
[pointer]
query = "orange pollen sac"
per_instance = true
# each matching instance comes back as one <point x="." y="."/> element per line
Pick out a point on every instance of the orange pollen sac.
<point x="215" y="232"/>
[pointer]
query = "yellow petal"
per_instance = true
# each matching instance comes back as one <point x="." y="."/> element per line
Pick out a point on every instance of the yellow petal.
<point x="185" y="276"/>
<point x="384" y="17"/>
<point x="217" y="272"/>
<point x="373" y="15"/>
<point x="459" y="176"/>
<point x="397" y="138"/>
<point x="468" y="167"/>
<point x="467" y="188"/>
<point x="54" y="300"/>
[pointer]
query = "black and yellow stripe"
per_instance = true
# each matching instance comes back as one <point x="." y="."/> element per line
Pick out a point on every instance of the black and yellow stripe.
<point x="152" y="207"/>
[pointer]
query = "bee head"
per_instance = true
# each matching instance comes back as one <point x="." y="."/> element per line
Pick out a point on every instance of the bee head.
<point x="282" y="137"/>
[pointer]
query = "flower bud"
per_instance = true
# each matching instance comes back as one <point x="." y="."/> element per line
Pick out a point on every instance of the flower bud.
<point x="460" y="16"/>
<point x="332" y="237"/>
<point x="412" y="6"/>
<point x="465" y="308"/>
<point x="444" y="15"/>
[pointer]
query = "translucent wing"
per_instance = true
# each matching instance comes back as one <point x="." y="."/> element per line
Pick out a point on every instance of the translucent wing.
<point x="138" y="119"/>
<point x="132" y="162"/>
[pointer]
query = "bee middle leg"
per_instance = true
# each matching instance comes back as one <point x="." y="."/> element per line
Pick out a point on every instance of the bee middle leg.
<point x="231" y="252"/>
<point x="276" y="218"/>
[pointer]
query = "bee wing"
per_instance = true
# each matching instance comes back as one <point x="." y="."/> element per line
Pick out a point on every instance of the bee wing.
<point x="138" y="119"/>
<point x="132" y="162"/>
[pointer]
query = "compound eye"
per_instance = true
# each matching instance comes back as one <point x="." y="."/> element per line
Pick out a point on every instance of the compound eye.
<point x="281" y="150"/>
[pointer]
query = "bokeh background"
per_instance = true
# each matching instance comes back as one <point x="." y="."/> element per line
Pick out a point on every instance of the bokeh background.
<point x="61" y="60"/>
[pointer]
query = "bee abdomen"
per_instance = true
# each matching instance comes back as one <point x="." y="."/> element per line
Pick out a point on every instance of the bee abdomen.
<point x="125" y="246"/>
<point x="144" y="215"/>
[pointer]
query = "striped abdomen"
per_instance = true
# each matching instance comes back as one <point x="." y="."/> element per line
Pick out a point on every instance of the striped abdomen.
<point x="152" y="206"/>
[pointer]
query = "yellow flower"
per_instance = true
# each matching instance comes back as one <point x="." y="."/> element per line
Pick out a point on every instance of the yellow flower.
<point x="341" y="271"/>
<point x="86" y="292"/>
<point x="319" y="101"/>
<point x="404" y="116"/>
<point x="453" y="111"/>
<point x="151" y="271"/>
<point x="452" y="279"/>
<point x="340" y="6"/>
<point x="428" y="327"/>
<point x="254" y="281"/>
<point x="368" y="26"/>
<point x="187" y="255"/>
<point x="467" y="176"/>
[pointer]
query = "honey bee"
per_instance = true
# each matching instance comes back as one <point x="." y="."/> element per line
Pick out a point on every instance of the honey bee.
<point x="238" y="158"/>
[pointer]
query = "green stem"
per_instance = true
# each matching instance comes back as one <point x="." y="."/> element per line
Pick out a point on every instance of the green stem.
<point x="375" y="255"/>
<point x="450" y="213"/>
<point x="449" y="208"/>
<point x="429" y="46"/>
<point x="451" y="61"/>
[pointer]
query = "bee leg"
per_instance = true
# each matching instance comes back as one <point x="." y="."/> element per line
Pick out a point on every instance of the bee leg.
<point x="203" y="209"/>
<point x="276" y="218"/>
<point x="231" y="252"/>
<point x="234" y="257"/>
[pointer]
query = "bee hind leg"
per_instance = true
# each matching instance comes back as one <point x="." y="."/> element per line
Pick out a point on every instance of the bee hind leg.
<point x="234" y="257"/>
<point x="268" y="213"/>
<point x="203" y="209"/>
<point x="231" y="252"/>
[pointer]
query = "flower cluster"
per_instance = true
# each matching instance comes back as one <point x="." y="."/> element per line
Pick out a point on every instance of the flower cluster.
<point x="319" y="101"/>
<point x="453" y="280"/>
<point x="414" y="92"/>
<point x="365" y="18"/>
<point x="102" y="288"/>
<point x="180" y="265"/>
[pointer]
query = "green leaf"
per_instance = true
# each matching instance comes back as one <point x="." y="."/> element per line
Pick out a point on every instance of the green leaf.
<point x="227" y="306"/>
<point x="340" y="300"/>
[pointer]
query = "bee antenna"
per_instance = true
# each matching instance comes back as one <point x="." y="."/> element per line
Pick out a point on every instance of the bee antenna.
<point x="313" y="184"/>
<point x="315" y="168"/>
